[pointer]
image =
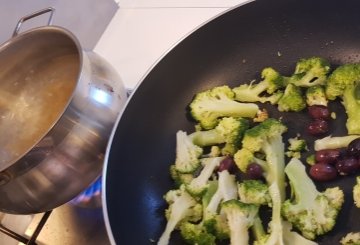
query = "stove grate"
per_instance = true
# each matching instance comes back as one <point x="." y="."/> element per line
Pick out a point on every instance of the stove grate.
<point x="32" y="239"/>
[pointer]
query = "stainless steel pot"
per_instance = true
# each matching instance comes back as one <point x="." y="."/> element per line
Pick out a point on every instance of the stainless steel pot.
<point x="58" y="105"/>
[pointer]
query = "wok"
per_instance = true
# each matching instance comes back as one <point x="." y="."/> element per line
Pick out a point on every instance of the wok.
<point x="231" y="49"/>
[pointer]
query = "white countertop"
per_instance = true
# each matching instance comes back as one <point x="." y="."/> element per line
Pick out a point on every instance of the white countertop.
<point x="142" y="31"/>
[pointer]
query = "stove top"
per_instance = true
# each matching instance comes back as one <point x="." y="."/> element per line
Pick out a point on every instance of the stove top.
<point x="80" y="221"/>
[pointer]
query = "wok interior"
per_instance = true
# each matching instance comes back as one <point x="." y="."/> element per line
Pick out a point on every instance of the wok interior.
<point x="232" y="49"/>
<point x="38" y="74"/>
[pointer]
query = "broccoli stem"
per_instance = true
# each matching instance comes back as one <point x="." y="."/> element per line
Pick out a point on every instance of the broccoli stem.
<point x="178" y="211"/>
<point x="238" y="236"/>
<point x="304" y="189"/>
<point x="236" y="109"/>
<point x="274" y="151"/>
<point x="294" y="238"/>
<point x="276" y="235"/>
<point x="257" y="229"/>
<point x="250" y="93"/>
<point x="352" y="107"/>
<point x="206" y="138"/>
<point x="334" y="142"/>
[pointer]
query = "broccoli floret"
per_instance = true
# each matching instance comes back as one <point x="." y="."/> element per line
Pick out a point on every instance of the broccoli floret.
<point x="194" y="215"/>
<point x="315" y="95"/>
<point x="356" y="192"/>
<point x="196" y="234"/>
<point x="198" y="185"/>
<point x="240" y="217"/>
<point x="292" y="100"/>
<point x="261" y="116"/>
<point x="296" y="144"/>
<point x="344" y="83"/>
<point x="352" y="238"/>
<point x="267" y="138"/>
<point x="187" y="153"/>
<point x="208" y="106"/>
<point x="180" y="178"/>
<point x="311" y="212"/>
<point x="293" y="154"/>
<point x="311" y="159"/>
<point x="310" y="72"/>
<point x="182" y="207"/>
<point x="334" y="142"/>
<point x="289" y="236"/>
<point x="226" y="189"/>
<point x="254" y="192"/>
<point x="294" y="238"/>
<point x="271" y="83"/>
<point x="215" y="151"/>
<point x="342" y="77"/>
<point x="256" y="137"/>
<point x="244" y="157"/>
<point x="229" y="131"/>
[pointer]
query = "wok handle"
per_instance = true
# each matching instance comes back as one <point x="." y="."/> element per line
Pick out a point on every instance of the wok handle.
<point x="30" y="16"/>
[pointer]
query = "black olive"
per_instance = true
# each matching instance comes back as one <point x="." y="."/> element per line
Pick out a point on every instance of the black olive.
<point x="254" y="171"/>
<point x="354" y="148"/>
<point x="323" y="172"/>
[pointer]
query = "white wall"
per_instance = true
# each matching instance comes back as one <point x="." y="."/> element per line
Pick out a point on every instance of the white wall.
<point x="87" y="19"/>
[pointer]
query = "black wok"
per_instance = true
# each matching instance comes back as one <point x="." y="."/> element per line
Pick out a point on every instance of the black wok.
<point x="230" y="49"/>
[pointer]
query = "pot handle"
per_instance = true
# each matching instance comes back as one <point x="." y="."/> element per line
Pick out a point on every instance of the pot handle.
<point x="30" y="16"/>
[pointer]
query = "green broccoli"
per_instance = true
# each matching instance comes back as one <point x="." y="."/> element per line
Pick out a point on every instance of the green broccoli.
<point x="244" y="157"/>
<point x="187" y="153"/>
<point x="199" y="184"/>
<point x="292" y="100"/>
<point x="294" y="238"/>
<point x="261" y="116"/>
<point x="352" y="238"/>
<point x="310" y="72"/>
<point x="180" y="178"/>
<point x="315" y="95"/>
<point x="229" y="131"/>
<point x="258" y="232"/>
<point x="267" y="138"/>
<point x="311" y="212"/>
<point x="356" y="192"/>
<point x="271" y="83"/>
<point x="289" y="236"/>
<point x="196" y="234"/>
<point x="296" y="146"/>
<point x="223" y="190"/>
<point x="311" y="159"/>
<point x="182" y="207"/>
<point x="240" y="217"/>
<point x="344" y="83"/>
<point x="254" y="192"/>
<point x="215" y="151"/>
<point x="330" y="142"/>
<point x="208" y="106"/>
